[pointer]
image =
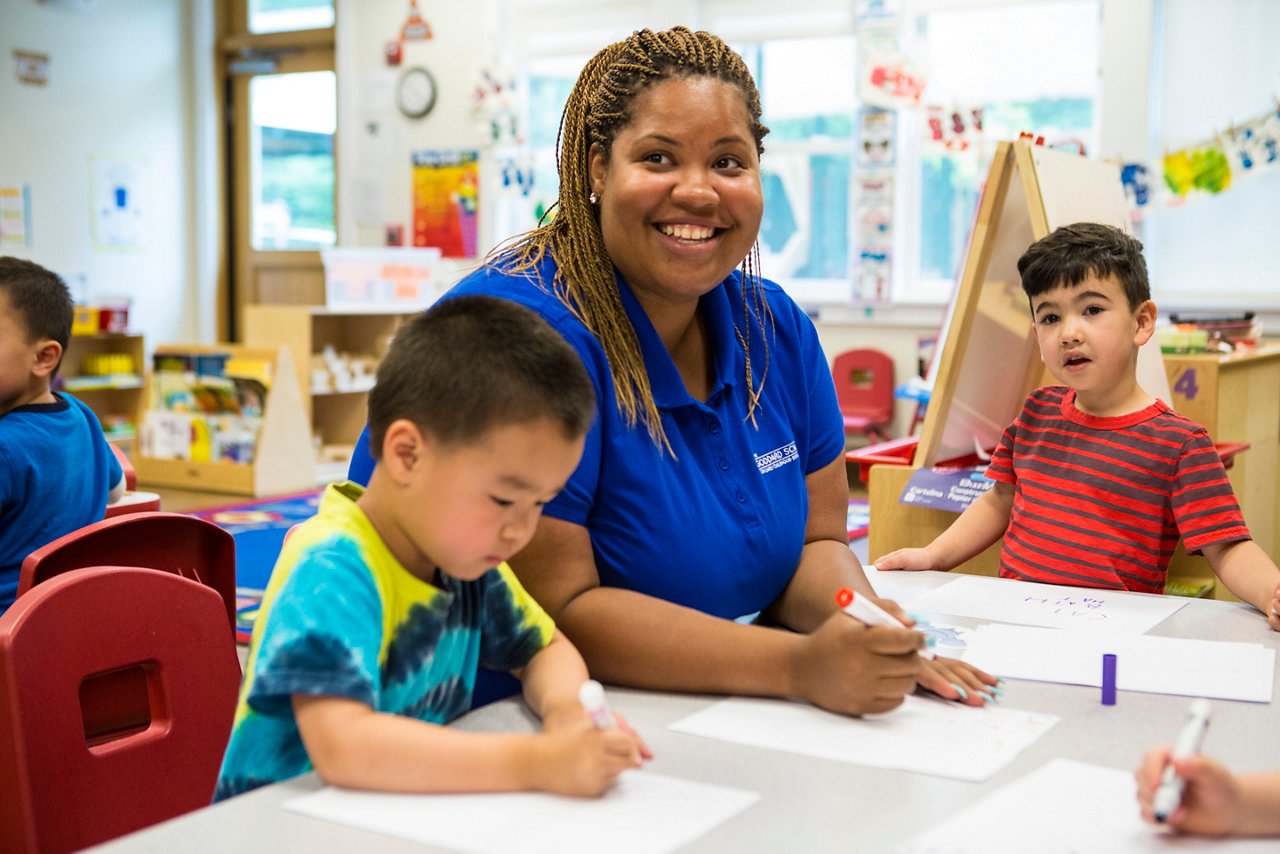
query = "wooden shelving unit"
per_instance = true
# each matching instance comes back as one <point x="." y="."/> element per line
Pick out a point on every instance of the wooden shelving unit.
<point x="117" y="398"/>
<point x="336" y="414"/>
<point x="283" y="459"/>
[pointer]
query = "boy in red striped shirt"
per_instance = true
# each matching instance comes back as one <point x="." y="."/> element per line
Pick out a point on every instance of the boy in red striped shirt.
<point x="1096" y="480"/>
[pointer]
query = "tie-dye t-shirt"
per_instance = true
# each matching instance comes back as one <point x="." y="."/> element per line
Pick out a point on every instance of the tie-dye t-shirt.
<point x="341" y="617"/>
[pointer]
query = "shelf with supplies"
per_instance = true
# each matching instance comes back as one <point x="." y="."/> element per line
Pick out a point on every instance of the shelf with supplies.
<point x="104" y="370"/>
<point x="225" y="418"/>
<point x="335" y="355"/>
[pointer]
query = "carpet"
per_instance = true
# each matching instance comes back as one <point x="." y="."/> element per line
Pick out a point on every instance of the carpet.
<point x="859" y="519"/>
<point x="259" y="527"/>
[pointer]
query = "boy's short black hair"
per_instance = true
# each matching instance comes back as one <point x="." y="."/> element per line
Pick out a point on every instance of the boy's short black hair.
<point x="1073" y="252"/>
<point x="473" y="363"/>
<point x="40" y="297"/>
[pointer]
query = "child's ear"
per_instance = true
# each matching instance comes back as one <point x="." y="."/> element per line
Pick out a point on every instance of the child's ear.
<point x="1145" y="317"/>
<point x="403" y="448"/>
<point x="48" y="354"/>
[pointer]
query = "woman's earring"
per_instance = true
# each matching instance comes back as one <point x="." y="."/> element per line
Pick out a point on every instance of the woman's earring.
<point x="593" y="198"/>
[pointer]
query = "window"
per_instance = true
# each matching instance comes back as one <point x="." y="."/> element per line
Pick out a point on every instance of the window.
<point x="279" y="16"/>
<point x="293" y="120"/>
<point x="807" y="99"/>
<point x="1022" y="68"/>
<point x="1018" y="66"/>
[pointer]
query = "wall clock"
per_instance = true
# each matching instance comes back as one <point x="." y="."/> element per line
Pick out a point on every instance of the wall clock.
<point x="416" y="92"/>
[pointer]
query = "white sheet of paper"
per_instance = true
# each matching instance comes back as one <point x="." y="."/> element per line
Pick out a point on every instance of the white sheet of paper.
<point x="900" y="586"/>
<point x="1062" y="806"/>
<point x="1049" y="605"/>
<point x="1156" y="665"/>
<point x="927" y="735"/>
<point x="643" y="812"/>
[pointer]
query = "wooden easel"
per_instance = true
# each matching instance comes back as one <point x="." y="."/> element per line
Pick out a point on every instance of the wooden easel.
<point x="988" y="361"/>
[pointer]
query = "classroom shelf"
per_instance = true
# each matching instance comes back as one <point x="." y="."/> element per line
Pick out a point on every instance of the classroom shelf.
<point x="336" y="415"/>
<point x="283" y="459"/>
<point x="117" y="399"/>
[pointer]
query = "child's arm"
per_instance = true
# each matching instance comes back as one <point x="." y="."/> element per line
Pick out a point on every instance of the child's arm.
<point x="980" y="525"/>
<point x="353" y="746"/>
<point x="1214" y="801"/>
<point x="1248" y="573"/>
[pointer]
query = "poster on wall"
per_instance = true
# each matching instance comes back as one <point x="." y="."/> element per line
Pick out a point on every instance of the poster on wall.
<point x="119" y="203"/>
<point x="446" y="201"/>
<point x="15" y="215"/>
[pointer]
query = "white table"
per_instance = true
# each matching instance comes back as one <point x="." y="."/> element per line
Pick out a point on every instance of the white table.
<point x="807" y="804"/>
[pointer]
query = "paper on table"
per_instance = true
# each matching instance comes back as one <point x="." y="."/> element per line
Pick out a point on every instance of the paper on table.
<point x="1193" y="668"/>
<point x="622" y="820"/>
<point x="927" y="735"/>
<point x="1062" y="806"/>
<point x="1048" y="605"/>
<point x="900" y="586"/>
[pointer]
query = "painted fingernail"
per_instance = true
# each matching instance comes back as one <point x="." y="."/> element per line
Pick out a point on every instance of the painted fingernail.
<point x="964" y="695"/>
<point x="990" y="697"/>
<point x="997" y="692"/>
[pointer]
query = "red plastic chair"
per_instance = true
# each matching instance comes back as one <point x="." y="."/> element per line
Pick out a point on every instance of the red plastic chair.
<point x="183" y="545"/>
<point x="864" y="387"/>
<point x="117" y="692"/>
<point x="126" y="466"/>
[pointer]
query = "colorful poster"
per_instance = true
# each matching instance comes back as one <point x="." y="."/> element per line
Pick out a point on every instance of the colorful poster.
<point x="446" y="201"/>
<point x="15" y="215"/>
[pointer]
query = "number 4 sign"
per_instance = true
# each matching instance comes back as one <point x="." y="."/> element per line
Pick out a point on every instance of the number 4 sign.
<point x="1186" y="384"/>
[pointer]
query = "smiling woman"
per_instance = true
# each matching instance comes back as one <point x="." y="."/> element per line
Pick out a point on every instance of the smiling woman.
<point x="712" y="485"/>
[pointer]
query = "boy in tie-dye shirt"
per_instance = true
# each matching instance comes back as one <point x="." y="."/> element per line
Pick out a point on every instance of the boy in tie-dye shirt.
<point x="381" y="607"/>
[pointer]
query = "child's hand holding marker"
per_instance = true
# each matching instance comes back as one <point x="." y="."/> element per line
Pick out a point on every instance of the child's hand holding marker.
<point x="584" y="754"/>
<point x="945" y="677"/>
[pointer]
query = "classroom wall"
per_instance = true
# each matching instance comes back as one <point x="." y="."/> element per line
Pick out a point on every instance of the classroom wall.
<point x="106" y="98"/>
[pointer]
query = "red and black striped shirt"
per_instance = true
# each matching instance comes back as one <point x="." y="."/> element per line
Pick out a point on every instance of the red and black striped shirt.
<point x="1101" y="502"/>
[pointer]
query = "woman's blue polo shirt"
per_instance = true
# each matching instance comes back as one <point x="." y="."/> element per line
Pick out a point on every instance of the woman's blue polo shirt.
<point x="720" y="527"/>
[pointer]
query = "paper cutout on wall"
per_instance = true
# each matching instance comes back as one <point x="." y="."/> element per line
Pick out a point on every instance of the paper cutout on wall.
<point x="15" y="215"/>
<point x="119" y="203"/>
<point x="446" y="201"/>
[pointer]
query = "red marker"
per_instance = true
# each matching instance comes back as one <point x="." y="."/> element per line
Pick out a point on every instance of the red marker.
<point x="869" y="613"/>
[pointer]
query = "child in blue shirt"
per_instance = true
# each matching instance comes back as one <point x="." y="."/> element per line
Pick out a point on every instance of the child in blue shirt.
<point x="381" y="608"/>
<point x="57" y="472"/>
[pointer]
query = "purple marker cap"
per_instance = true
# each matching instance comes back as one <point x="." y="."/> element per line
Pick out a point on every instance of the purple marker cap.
<point x="1108" y="679"/>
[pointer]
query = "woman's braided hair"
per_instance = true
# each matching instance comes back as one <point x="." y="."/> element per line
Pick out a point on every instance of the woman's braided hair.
<point x="596" y="111"/>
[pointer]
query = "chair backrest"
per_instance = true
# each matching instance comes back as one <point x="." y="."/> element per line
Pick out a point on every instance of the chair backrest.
<point x="184" y="545"/>
<point x="864" y="383"/>
<point x="117" y="692"/>
<point x="126" y="466"/>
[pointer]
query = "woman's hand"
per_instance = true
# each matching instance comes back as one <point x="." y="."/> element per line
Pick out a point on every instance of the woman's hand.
<point x="958" y="680"/>
<point x="846" y="667"/>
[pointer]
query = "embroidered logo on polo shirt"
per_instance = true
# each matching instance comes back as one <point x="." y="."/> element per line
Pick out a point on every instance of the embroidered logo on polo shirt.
<point x="776" y="458"/>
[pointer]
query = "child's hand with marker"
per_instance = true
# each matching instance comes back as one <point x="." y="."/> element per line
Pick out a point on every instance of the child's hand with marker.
<point x="585" y="746"/>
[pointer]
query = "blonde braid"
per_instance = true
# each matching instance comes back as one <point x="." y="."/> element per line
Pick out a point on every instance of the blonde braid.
<point x="585" y="282"/>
